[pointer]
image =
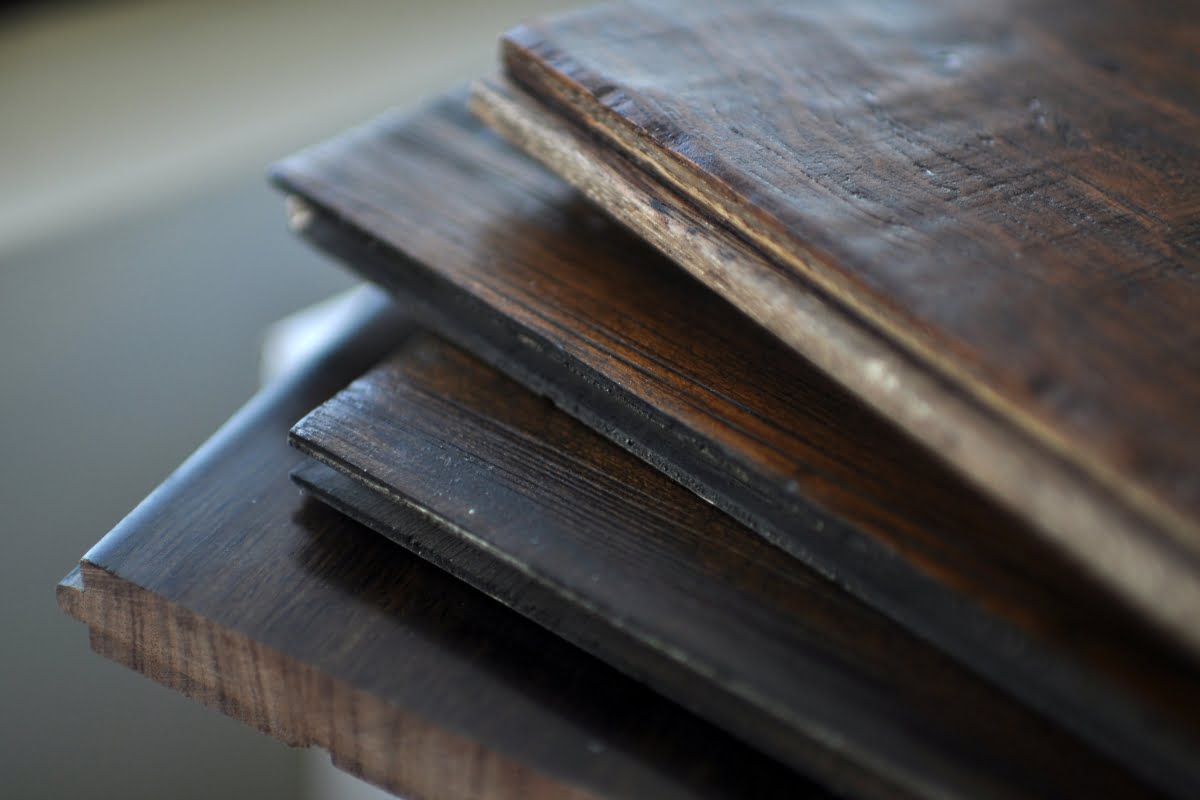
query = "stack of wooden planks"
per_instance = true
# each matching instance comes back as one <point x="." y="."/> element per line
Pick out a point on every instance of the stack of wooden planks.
<point x="794" y="399"/>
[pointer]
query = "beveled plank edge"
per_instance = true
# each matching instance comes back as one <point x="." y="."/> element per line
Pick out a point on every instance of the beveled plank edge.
<point x="1080" y="518"/>
<point x="521" y="53"/>
<point x="69" y="593"/>
<point x="289" y="700"/>
<point x="336" y="362"/>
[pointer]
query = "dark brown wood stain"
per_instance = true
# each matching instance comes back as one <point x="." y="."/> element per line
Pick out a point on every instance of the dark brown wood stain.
<point x="579" y="535"/>
<point x="1009" y="192"/>
<point x="229" y="586"/>
<point x="513" y="265"/>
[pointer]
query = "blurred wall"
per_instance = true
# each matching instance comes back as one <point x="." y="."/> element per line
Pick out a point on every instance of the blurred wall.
<point x="141" y="257"/>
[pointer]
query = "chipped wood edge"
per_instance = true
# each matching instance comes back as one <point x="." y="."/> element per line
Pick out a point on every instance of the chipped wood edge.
<point x="1082" y="519"/>
<point x="289" y="700"/>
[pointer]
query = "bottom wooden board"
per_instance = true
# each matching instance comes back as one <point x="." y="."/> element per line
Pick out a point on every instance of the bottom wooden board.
<point x="572" y="531"/>
<point x="229" y="586"/>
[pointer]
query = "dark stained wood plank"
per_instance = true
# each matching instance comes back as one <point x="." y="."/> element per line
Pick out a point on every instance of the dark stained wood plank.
<point x="1007" y="192"/>
<point x="229" y="586"/>
<point x="509" y="262"/>
<point x="579" y="535"/>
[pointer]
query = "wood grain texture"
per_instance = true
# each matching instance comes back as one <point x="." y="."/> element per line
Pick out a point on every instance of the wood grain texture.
<point x="511" y="264"/>
<point x="1007" y="192"/>
<point x="229" y="586"/>
<point x="579" y="535"/>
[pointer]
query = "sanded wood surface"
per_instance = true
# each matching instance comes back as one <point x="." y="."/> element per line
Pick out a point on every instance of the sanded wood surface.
<point x="1006" y="192"/>
<point x="228" y="585"/>
<point x="578" y="534"/>
<point x="510" y="263"/>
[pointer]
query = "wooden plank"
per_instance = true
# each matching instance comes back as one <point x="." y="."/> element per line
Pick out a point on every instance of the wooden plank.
<point x="570" y="530"/>
<point x="1006" y="193"/>
<point x="229" y="586"/>
<point x="508" y="262"/>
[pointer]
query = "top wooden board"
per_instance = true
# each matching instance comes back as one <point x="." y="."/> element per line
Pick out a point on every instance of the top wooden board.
<point x="1006" y="194"/>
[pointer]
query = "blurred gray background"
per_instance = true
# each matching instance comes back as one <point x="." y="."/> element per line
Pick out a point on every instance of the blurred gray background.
<point x="142" y="256"/>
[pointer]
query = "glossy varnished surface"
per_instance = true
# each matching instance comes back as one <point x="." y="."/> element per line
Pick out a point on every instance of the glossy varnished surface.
<point x="230" y="586"/>
<point x="513" y="265"/>
<point x="551" y="518"/>
<point x="1008" y="192"/>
